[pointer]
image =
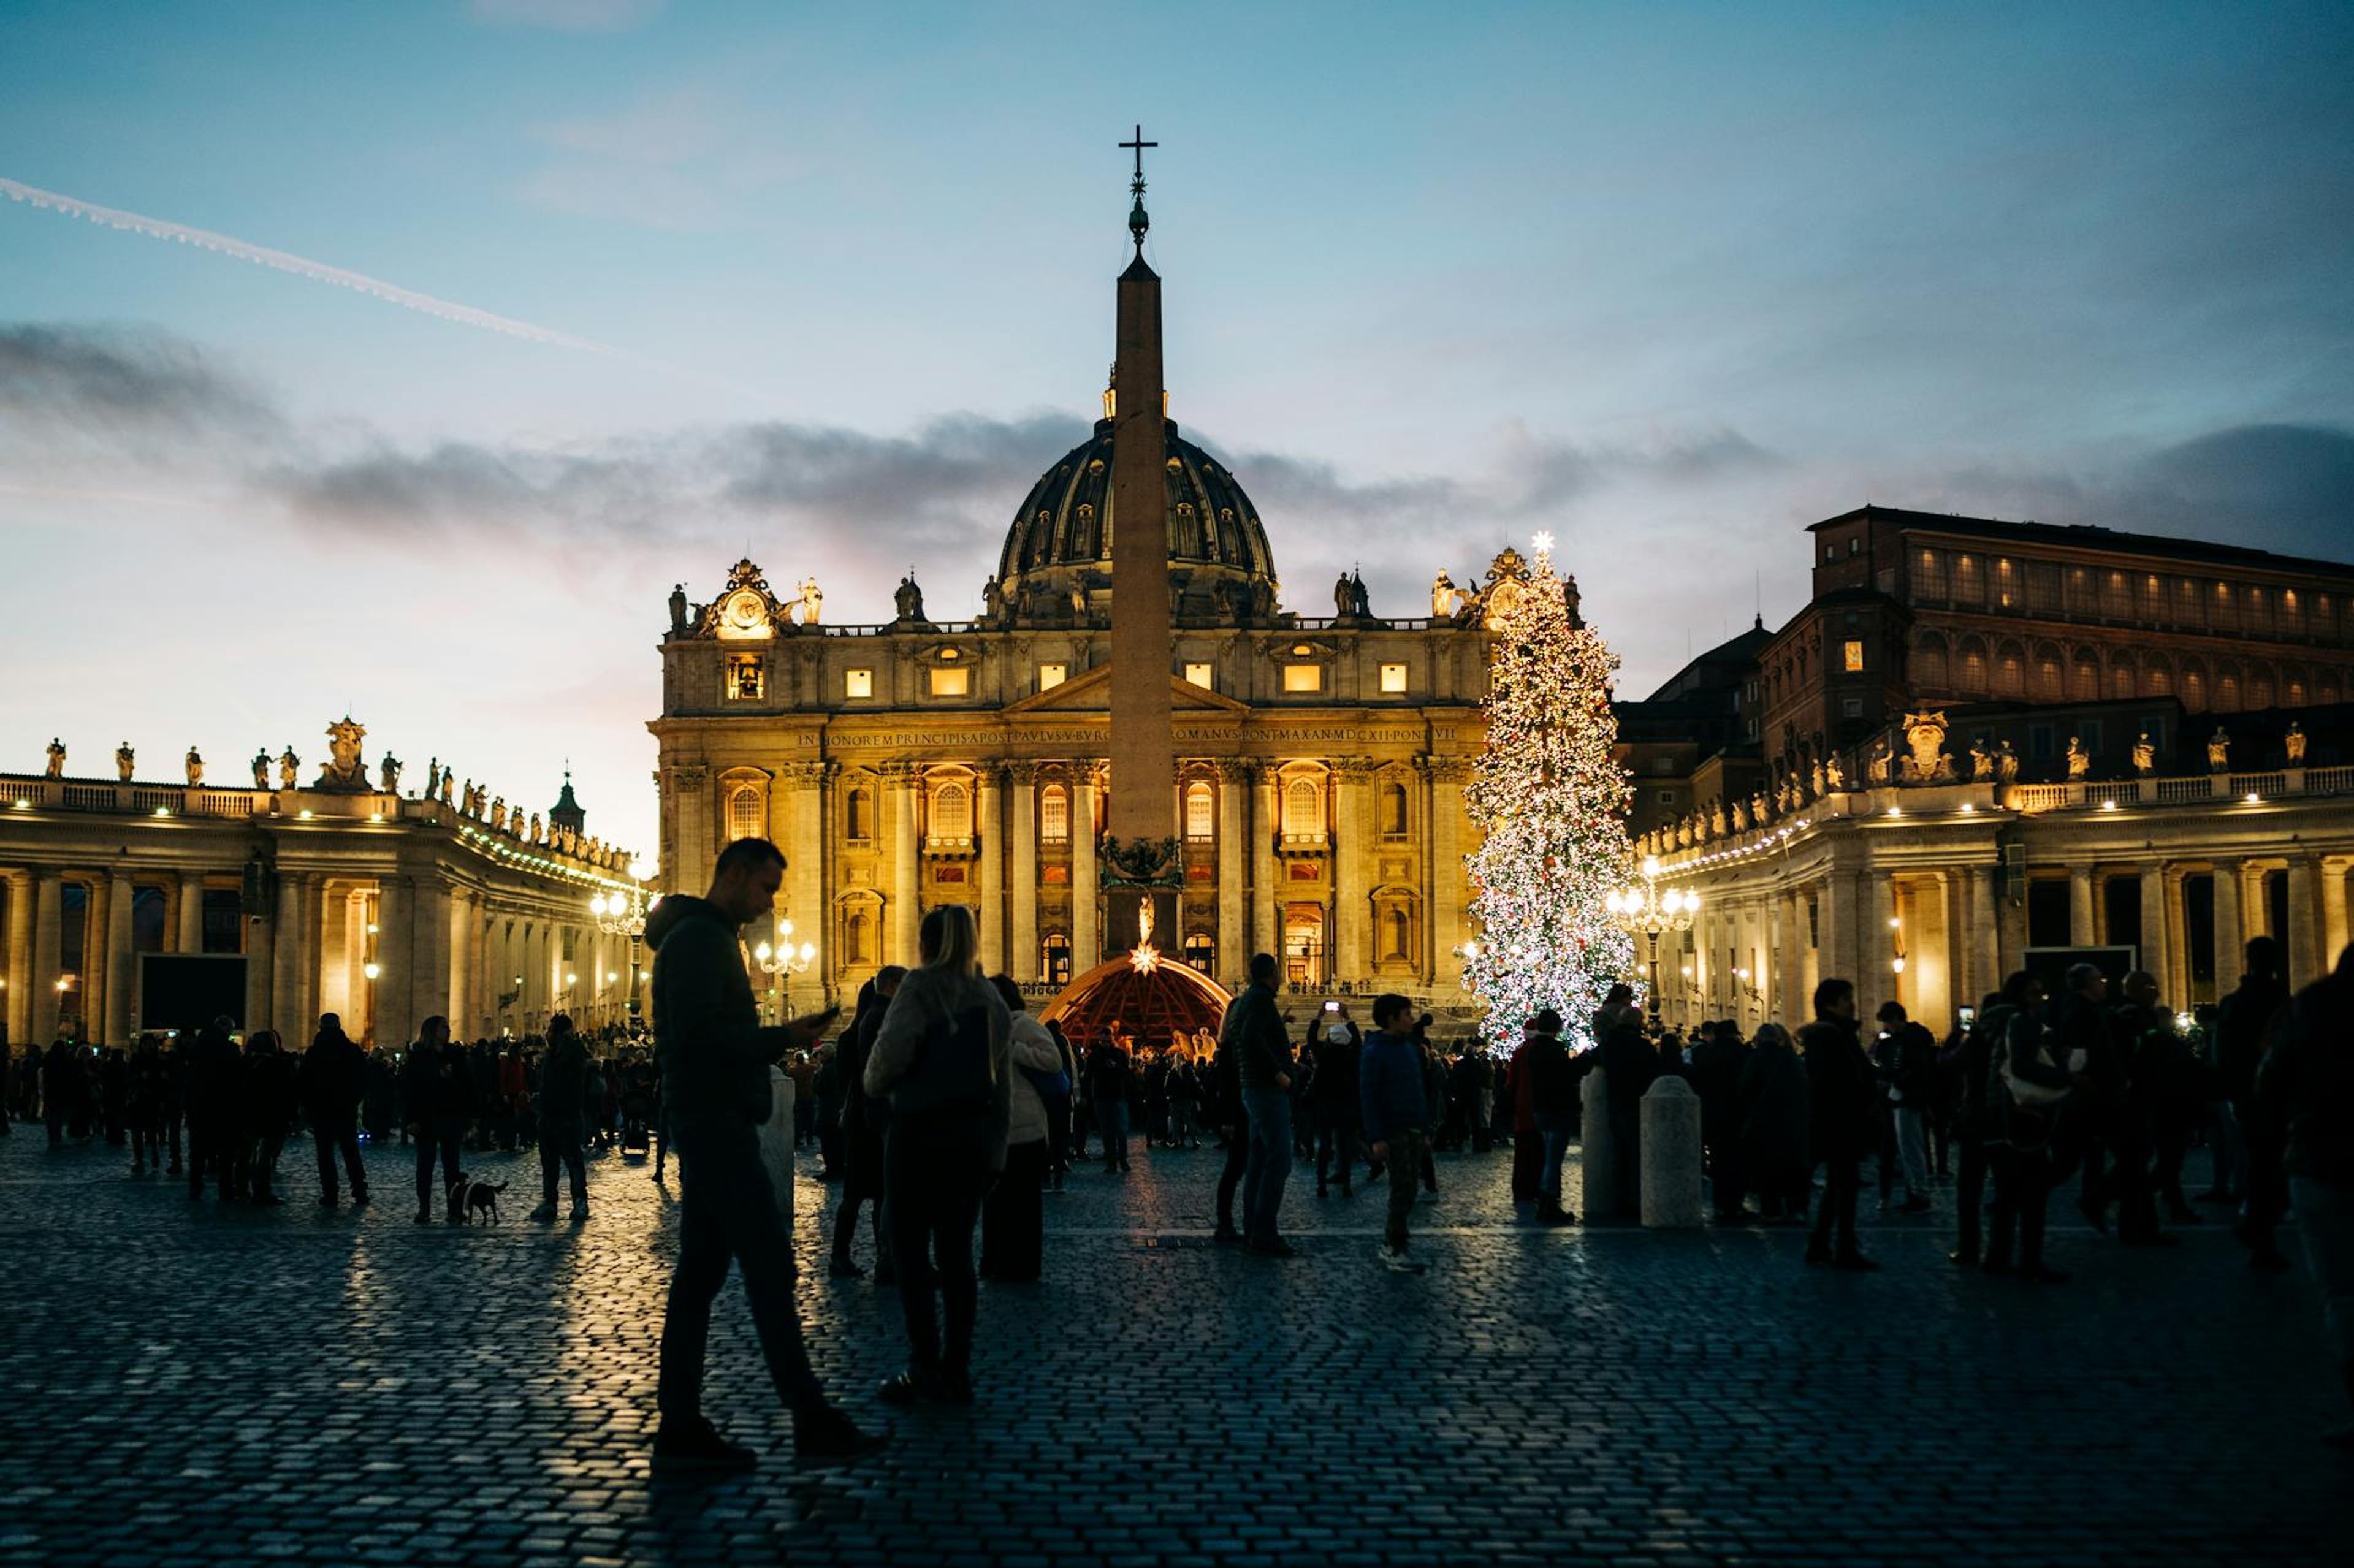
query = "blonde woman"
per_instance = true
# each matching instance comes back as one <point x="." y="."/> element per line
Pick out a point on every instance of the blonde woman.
<point x="944" y="1059"/>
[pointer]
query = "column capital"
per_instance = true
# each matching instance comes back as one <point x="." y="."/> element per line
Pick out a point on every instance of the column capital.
<point x="1022" y="774"/>
<point x="900" y="775"/>
<point x="803" y="773"/>
<point x="1352" y="770"/>
<point x="1444" y="769"/>
<point x="1236" y="770"/>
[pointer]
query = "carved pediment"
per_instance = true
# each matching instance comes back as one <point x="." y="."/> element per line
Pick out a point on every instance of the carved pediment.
<point x="1091" y="694"/>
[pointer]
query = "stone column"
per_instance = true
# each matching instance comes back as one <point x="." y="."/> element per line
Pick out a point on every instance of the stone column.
<point x="188" y="912"/>
<point x="1790" y="1004"/>
<point x="1450" y="884"/>
<point x="1024" y="843"/>
<point x="22" y="979"/>
<point x="2081" y="928"/>
<point x="48" y="956"/>
<point x="988" y="832"/>
<point x="1598" y="1150"/>
<point x="462" y="969"/>
<point x="685" y="870"/>
<point x="428" y="989"/>
<point x="1983" y="931"/>
<point x="800" y="815"/>
<point x="258" y="940"/>
<point x="2227" y="937"/>
<point x="1233" y="957"/>
<point x="292" y="944"/>
<point x="1353" y="868"/>
<point x="1086" y="944"/>
<point x="398" y="1013"/>
<point x="2304" y="944"/>
<point x="901" y="780"/>
<point x="2157" y="934"/>
<point x="2334" y="933"/>
<point x="121" y="961"/>
<point x="1265" y="919"/>
<point x="1835" y="915"/>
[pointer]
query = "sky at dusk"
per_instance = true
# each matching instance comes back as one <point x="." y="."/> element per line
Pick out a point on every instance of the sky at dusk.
<point x="834" y="285"/>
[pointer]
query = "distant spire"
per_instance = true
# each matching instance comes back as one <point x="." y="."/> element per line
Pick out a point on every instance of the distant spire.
<point x="1138" y="222"/>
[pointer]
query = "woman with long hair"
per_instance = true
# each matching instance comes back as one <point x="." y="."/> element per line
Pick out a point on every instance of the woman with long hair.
<point x="944" y="1059"/>
<point x="1013" y="1217"/>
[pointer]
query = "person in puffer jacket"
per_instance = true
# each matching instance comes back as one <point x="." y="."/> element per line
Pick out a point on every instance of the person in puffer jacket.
<point x="1013" y="1217"/>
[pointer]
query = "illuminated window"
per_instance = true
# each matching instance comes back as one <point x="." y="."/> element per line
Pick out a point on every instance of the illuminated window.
<point x="1303" y="810"/>
<point x="1199" y="951"/>
<point x="952" y="812"/>
<point x="1201" y="811"/>
<point x="1395" y="808"/>
<point x="1055" y="954"/>
<point x="858" y="683"/>
<point x="1053" y="675"/>
<point x="747" y="813"/>
<point x="1303" y="677"/>
<point x="1393" y="677"/>
<point x="1199" y="676"/>
<point x="951" y="681"/>
<point x="1851" y="655"/>
<point x="1055" y="814"/>
<point x="858" y="816"/>
<point x="744" y="677"/>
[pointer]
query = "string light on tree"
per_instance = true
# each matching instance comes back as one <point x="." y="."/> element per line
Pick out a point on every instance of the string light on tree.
<point x="1551" y="804"/>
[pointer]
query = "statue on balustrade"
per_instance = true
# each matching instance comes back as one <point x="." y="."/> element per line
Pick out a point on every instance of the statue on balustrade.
<point x="1739" y="817"/>
<point x="1683" y="833"/>
<point x="1716" y="819"/>
<point x="2145" y="754"/>
<point x="992" y="598"/>
<point x="1757" y="808"/>
<point x="262" y="768"/>
<point x="346" y="768"/>
<point x="2295" y="741"/>
<point x="2006" y="764"/>
<point x="2079" y="764"/>
<point x="538" y="833"/>
<point x="909" y="599"/>
<point x="196" y="766"/>
<point x="1834" y="774"/>
<point x="290" y="768"/>
<point x="388" y="774"/>
<point x="1884" y="758"/>
<point x="1815" y="778"/>
<point x="56" y="769"/>
<point x="1446" y="599"/>
<point x="1981" y="762"/>
<point x="678" y="610"/>
<point x="433" y="778"/>
<point x="498" y="811"/>
<point x="2219" y="750"/>
<point x="124" y="761"/>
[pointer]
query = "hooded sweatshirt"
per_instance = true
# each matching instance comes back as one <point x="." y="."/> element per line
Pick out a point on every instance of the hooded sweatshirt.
<point x="714" y="1051"/>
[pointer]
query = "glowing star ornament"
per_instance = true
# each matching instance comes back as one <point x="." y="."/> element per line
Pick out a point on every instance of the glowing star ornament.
<point x="1551" y="805"/>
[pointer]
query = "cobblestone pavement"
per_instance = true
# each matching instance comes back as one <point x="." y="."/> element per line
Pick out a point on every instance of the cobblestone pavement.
<point x="194" y="1384"/>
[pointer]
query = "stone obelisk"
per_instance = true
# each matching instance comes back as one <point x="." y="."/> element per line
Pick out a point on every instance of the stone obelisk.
<point x="1142" y="810"/>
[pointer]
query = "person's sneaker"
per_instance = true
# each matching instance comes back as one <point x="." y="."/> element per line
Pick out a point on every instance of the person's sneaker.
<point x="913" y="1386"/>
<point x="1996" y="1266"/>
<point x="424" y="1217"/>
<point x="545" y="1214"/>
<point x="826" y="1436"/>
<point x="696" y="1445"/>
<point x="955" y="1388"/>
<point x="359" y="1199"/>
<point x="1962" y="1258"/>
<point x="580" y="1213"/>
<point x="842" y="1268"/>
<point x="1225" y="1235"/>
<point x="1855" y="1262"/>
<point x="1916" y="1204"/>
<point x="1397" y="1262"/>
<point x="1271" y="1246"/>
<point x="327" y="1201"/>
<point x="2042" y="1274"/>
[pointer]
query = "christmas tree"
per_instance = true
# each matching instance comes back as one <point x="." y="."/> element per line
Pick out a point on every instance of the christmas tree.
<point x="1551" y="804"/>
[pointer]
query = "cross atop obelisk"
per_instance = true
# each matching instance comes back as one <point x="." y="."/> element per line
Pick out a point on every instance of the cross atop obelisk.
<point x="1142" y="812"/>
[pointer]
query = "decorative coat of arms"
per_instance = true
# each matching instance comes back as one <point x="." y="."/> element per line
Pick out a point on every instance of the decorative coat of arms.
<point x="1144" y="862"/>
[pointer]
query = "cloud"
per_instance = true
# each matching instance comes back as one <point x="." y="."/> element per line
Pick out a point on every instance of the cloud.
<point x="566" y="16"/>
<point x="689" y="158"/>
<point x="120" y="382"/>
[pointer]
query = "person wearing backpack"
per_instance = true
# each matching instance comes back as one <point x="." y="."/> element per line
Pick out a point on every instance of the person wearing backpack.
<point x="1910" y="1072"/>
<point x="1968" y="1059"/>
<point x="1012" y="1217"/>
<point x="2027" y="1091"/>
<point x="944" y="1057"/>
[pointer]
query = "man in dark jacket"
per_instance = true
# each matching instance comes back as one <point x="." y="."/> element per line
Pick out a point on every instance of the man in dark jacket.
<point x="2082" y="1035"/>
<point x="1393" y="1107"/>
<point x="1333" y="1093"/>
<point x="1629" y="1068"/>
<point x="1717" y="1059"/>
<point x="563" y="1097"/>
<point x="714" y="1059"/>
<point x="213" y="1069"/>
<point x="1969" y="1058"/>
<point x="1253" y="1029"/>
<point x="1554" y="1076"/>
<point x="2238" y="1043"/>
<point x="864" y="1119"/>
<point x="1109" y="1083"/>
<point x="1908" y="1072"/>
<point x="333" y="1070"/>
<point x="1842" y="1118"/>
<point x="270" y="1100"/>
<point x="2304" y="1088"/>
<point x="2137" y="1028"/>
<point x="437" y="1094"/>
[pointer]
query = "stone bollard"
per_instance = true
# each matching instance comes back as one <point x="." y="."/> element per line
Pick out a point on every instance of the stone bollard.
<point x="776" y="1144"/>
<point x="1597" y="1153"/>
<point x="1671" y="1156"/>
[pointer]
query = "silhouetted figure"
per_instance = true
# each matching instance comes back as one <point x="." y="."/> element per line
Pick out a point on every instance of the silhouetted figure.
<point x="563" y="1095"/>
<point x="1843" y="1120"/>
<point x="269" y="1092"/>
<point x="865" y="1118"/>
<point x="334" y="1069"/>
<point x="437" y="1092"/>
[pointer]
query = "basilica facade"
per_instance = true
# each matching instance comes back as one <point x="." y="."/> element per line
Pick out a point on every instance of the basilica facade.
<point x="1318" y="787"/>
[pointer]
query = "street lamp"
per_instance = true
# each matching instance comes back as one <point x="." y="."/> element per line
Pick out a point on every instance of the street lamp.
<point x="784" y="958"/>
<point x="1649" y="914"/>
<point x="623" y="913"/>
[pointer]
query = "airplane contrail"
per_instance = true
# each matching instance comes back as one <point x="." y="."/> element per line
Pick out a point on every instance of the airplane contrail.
<point x="301" y="266"/>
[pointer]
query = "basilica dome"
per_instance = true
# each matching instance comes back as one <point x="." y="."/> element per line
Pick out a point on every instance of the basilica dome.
<point x="1061" y="538"/>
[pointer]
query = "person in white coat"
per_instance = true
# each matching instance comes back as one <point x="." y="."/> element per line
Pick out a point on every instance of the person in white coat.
<point x="1012" y="1218"/>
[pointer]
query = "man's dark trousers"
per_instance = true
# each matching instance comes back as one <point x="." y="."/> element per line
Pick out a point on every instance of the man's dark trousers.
<point x="339" y="1136"/>
<point x="445" y="1136"/>
<point x="1842" y="1176"/>
<point x="729" y="1212"/>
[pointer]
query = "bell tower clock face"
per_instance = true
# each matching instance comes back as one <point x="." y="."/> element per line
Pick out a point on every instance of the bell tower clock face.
<point x="746" y="613"/>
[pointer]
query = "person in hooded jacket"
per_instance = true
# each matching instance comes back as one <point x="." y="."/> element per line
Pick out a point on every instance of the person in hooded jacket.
<point x="210" y="1081"/>
<point x="270" y="1093"/>
<point x="331" y="1075"/>
<point x="1969" y="1058"/>
<point x="944" y="1057"/>
<point x="716" y="1058"/>
<point x="1775" y="1104"/>
<point x="563" y="1097"/>
<point x="1843" y="1120"/>
<point x="865" y="1118"/>
<point x="1012" y="1217"/>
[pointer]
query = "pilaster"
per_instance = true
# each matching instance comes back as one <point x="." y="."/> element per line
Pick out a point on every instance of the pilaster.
<point x="1025" y="847"/>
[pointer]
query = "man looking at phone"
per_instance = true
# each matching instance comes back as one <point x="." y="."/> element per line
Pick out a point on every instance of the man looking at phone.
<point x="715" y="1057"/>
<point x="1396" y="1116"/>
<point x="1254" y="1031"/>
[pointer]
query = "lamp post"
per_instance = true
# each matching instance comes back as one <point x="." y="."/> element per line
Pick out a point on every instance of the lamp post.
<point x="1649" y="913"/>
<point x="784" y="958"/>
<point x="623" y="913"/>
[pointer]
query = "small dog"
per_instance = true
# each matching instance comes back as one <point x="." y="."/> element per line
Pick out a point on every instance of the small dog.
<point x="469" y="1197"/>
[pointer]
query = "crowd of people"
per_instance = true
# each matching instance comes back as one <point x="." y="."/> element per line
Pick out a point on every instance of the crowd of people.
<point x="945" y="1112"/>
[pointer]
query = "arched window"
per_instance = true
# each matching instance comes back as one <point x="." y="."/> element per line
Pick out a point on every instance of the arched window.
<point x="1929" y="662"/>
<point x="1393" y="811"/>
<point x="2194" y="688"/>
<point x="1199" y="951"/>
<point x="1056" y="952"/>
<point x="1397" y="930"/>
<point x="856" y="938"/>
<point x="2047" y="676"/>
<point x="1054" y="815"/>
<point x="2158" y="678"/>
<point x="1303" y="810"/>
<point x="1200" y="812"/>
<point x="952" y="812"/>
<point x="2227" y="689"/>
<point x="858" y="816"/>
<point x="2084" y="684"/>
<point x="2121" y="677"/>
<point x="1974" y="667"/>
<point x="2010" y="672"/>
<point x="747" y="813"/>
